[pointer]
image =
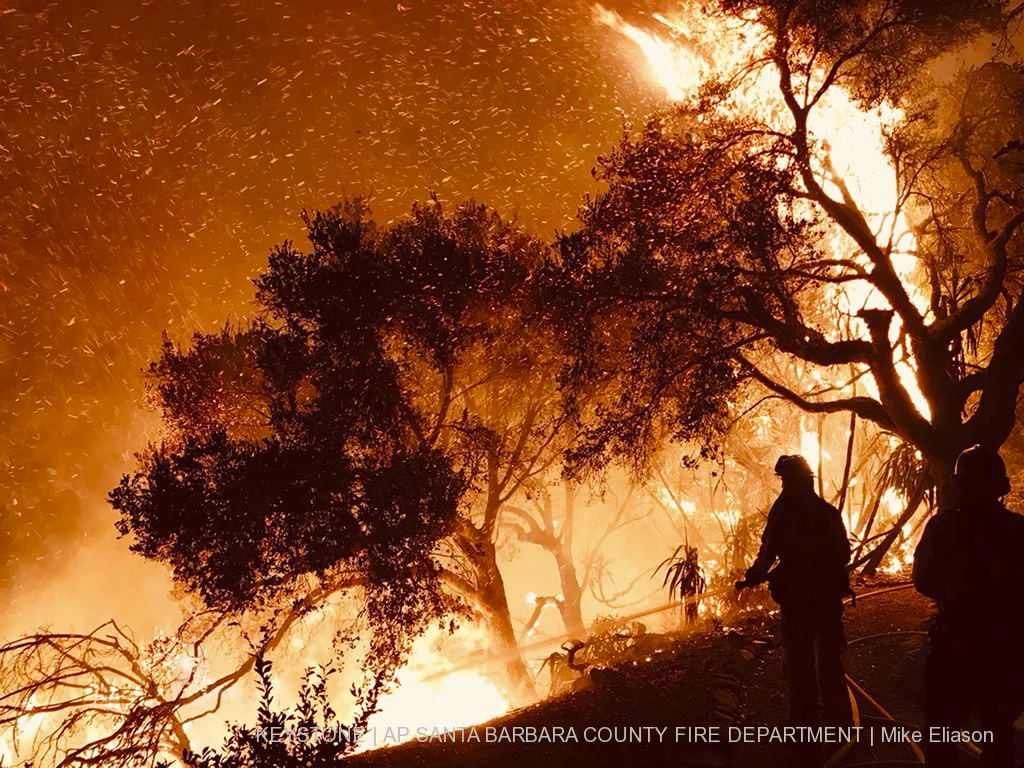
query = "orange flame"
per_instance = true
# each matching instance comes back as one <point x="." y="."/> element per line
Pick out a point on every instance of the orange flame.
<point x="850" y="142"/>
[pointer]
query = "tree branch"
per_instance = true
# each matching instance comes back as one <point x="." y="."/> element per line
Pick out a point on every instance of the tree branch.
<point x="865" y="407"/>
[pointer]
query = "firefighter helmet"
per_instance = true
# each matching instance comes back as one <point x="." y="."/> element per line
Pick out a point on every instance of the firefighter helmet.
<point x="793" y="465"/>
<point x="981" y="469"/>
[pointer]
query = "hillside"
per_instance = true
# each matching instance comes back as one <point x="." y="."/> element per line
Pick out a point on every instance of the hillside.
<point x="725" y="678"/>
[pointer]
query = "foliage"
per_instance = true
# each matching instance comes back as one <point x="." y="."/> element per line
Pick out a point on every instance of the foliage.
<point x="308" y="735"/>
<point x="322" y="441"/>
<point x="903" y="471"/>
<point x="610" y="642"/>
<point x="96" y="698"/>
<point x="684" y="579"/>
<point x="726" y="235"/>
<point x="562" y="676"/>
<point x="878" y="48"/>
<point x="741" y="545"/>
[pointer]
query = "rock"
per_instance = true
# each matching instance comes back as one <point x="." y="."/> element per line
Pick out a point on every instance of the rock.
<point x="720" y="718"/>
<point x="740" y="663"/>
<point x="603" y="677"/>
<point x="583" y="683"/>
<point x="735" y="638"/>
<point x="725" y="680"/>
<point x="725" y="698"/>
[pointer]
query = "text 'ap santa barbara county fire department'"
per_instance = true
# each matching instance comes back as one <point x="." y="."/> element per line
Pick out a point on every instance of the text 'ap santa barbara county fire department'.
<point x="628" y="734"/>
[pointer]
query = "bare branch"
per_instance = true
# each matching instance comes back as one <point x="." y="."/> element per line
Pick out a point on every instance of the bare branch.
<point x="865" y="407"/>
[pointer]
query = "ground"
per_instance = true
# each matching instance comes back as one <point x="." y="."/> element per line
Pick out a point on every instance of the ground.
<point x="705" y="678"/>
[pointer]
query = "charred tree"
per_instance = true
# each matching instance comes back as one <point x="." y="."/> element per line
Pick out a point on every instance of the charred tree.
<point x="482" y="583"/>
<point x="538" y="525"/>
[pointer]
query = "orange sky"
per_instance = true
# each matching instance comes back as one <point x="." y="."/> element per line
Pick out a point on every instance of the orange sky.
<point x="151" y="153"/>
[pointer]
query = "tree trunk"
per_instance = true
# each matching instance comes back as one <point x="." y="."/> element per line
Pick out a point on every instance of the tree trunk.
<point x="494" y="604"/>
<point x="572" y="596"/>
<point x="942" y="475"/>
<point x="572" y="591"/>
<point x="490" y="600"/>
<point x="874" y="558"/>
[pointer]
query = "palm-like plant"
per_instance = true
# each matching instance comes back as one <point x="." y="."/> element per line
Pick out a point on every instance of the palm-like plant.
<point x="684" y="579"/>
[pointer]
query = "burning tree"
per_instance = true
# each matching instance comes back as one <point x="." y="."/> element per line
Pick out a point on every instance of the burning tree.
<point x="361" y="440"/>
<point x="536" y="523"/>
<point x="109" y="700"/>
<point x="815" y="199"/>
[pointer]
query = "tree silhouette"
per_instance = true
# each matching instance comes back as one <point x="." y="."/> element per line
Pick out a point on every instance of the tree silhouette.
<point x="550" y="516"/>
<point x="363" y="432"/>
<point x="728" y="238"/>
<point x="307" y="735"/>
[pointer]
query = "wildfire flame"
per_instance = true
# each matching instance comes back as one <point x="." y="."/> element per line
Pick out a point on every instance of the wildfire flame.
<point x="424" y="700"/>
<point x="682" y="51"/>
<point x="676" y="67"/>
<point x="695" y="45"/>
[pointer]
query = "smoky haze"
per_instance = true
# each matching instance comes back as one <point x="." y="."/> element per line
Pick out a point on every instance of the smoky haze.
<point x="151" y="154"/>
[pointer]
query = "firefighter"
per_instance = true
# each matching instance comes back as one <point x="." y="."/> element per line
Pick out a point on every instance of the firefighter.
<point x="806" y="542"/>
<point x="969" y="561"/>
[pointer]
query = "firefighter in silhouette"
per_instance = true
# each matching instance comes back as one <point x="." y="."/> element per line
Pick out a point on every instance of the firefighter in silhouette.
<point x="969" y="560"/>
<point x="806" y="542"/>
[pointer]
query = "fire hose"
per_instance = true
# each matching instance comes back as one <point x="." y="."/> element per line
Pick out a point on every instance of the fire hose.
<point x="559" y="639"/>
<point x="969" y="747"/>
<point x="854" y="688"/>
<point x="672" y="604"/>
